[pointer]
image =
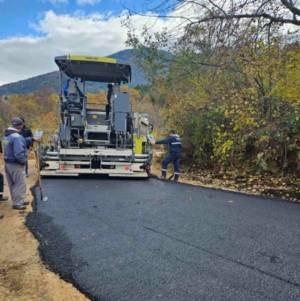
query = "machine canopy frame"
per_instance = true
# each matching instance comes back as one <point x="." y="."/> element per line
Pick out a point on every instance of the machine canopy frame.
<point x="91" y="68"/>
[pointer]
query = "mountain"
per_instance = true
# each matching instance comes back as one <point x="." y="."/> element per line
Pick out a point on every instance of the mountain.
<point x="50" y="81"/>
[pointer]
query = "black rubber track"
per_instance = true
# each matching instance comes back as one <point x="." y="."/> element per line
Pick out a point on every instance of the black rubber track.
<point x="128" y="240"/>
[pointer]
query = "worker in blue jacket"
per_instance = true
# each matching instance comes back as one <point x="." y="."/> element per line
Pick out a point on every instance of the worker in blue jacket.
<point x="15" y="157"/>
<point x="174" y="142"/>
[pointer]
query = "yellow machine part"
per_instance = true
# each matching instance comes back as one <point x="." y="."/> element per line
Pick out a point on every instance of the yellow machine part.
<point x="92" y="59"/>
<point x="138" y="144"/>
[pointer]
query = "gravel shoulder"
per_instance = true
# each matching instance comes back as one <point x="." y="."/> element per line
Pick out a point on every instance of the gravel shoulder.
<point x="23" y="275"/>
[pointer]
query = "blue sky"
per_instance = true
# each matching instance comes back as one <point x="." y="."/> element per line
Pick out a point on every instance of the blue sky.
<point x="33" y="32"/>
<point x="17" y="15"/>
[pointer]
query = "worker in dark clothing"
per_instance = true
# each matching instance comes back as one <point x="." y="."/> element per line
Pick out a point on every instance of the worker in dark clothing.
<point x="2" y="197"/>
<point x="26" y="133"/>
<point x="174" y="142"/>
<point x="108" y="97"/>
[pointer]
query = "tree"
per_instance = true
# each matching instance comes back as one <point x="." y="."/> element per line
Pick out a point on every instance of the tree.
<point x="200" y="11"/>
<point x="230" y="88"/>
<point x="226" y="21"/>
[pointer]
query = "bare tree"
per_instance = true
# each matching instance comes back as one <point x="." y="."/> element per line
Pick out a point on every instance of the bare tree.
<point x="225" y="21"/>
<point x="200" y="11"/>
<point x="209" y="33"/>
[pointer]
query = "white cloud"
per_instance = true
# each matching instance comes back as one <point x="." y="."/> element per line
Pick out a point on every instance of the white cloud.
<point x="95" y="34"/>
<point x="23" y="57"/>
<point x="87" y="2"/>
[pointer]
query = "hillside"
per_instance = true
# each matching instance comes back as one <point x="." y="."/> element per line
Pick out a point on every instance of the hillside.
<point x="50" y="80"/>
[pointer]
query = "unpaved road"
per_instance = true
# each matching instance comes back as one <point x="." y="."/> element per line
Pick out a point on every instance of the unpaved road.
<point x="152" y="240"/>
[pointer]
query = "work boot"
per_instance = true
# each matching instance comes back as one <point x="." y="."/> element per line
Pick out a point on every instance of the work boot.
<point x="176" y="178"/>
<point x="19" y="207"/>
<point x="163" y="175"/>
<point x="1" y="215"/>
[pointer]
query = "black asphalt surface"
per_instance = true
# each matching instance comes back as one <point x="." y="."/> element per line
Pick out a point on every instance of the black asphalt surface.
<point x="128" y="240"/>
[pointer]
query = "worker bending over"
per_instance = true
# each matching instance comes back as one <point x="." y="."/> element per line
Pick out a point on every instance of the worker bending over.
<point x="174" y="142"/>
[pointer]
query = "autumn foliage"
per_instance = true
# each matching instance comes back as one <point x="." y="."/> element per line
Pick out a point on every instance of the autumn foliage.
<point x="237" y="108"/>
<point x="41" y="109"/>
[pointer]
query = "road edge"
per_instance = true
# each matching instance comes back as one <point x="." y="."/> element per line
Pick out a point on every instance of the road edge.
<point x="32" y="224"/>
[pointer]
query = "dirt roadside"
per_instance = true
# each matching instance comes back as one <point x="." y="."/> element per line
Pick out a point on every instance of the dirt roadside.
<point x="23" y="277"/>
<point x="278" y="187"/>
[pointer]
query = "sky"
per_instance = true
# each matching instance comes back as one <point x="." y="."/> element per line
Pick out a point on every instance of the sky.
<point x="33" y="32"/>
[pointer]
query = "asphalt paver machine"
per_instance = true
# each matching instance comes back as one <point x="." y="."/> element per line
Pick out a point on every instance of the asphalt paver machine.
<point x="91" y="140"/>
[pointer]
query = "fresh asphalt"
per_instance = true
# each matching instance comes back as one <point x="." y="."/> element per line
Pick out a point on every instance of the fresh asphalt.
<point x="129" y="240"/>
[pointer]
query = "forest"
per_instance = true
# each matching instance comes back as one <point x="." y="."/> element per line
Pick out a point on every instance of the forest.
<point x="228" y="85"/>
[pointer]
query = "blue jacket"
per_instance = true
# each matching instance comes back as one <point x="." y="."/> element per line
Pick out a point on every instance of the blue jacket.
<point x="174" y="143"/>
<point x="66" y="89"/>
<point x="15" y="147"/>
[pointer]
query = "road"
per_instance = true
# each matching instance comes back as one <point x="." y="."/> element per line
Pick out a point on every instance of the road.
<point x="127" y="240"/>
